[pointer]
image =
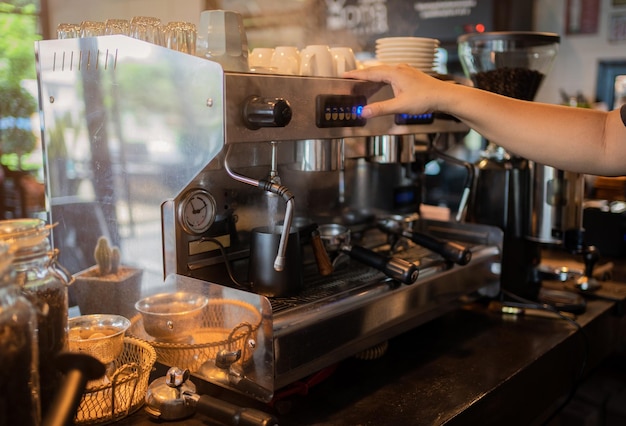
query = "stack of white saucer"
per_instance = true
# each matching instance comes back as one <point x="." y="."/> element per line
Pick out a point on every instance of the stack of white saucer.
<point x="418" y="52"/>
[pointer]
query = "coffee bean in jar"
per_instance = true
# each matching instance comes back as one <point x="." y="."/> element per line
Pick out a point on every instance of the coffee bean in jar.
<point x="19" y="400"/>
<point x="519" y="83"/>
<point x="45" y="282"/>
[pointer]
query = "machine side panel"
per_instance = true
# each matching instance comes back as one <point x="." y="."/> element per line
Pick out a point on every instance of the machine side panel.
<point x="126" y="125"/>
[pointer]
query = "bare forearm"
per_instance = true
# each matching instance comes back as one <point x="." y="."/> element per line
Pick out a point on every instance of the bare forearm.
<point x="574" y="139"/>
<point x="564" y="137"/>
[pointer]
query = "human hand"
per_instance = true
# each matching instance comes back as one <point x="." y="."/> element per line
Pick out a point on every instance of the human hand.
<point x="415" y="92"/>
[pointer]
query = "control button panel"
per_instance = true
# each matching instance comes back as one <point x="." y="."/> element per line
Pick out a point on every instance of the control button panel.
<point x="340" y="111"/>
<point x="414" y="118"/>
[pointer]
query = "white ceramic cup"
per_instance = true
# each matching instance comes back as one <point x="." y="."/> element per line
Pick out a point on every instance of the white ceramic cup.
<point x="344" y="59"/>
<point x="317" y="60"/>
<point x="286" y="60"/>
<point x="260" y="59"/>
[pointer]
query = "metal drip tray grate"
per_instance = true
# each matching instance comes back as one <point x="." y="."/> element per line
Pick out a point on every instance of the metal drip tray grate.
<point x="321" y="288"/>
<point x="346" y="280"/>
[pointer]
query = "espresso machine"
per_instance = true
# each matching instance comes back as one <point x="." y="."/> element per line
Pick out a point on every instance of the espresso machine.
<point x="225" y="182"/>
<point x="535" y="205"/>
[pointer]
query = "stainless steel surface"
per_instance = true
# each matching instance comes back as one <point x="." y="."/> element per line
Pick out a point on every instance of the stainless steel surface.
<point x="334" y="235"/>
<point x="101" y="336"/>
<point x="172" y="317"/>
<point x="153" y="126"/>
<point x="174" y="397"/>
<point x="391" y="148"/>
<point x="361" y="307"/>
<point x="556" y="204"/>
<point x="165" y="398"/>
<point x="320" y="155"/>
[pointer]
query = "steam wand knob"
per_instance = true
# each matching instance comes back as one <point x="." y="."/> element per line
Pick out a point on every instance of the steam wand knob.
<point x="266" y="112"/>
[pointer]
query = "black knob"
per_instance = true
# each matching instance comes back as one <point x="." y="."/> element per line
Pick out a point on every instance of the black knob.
<point x="266" y="112"/>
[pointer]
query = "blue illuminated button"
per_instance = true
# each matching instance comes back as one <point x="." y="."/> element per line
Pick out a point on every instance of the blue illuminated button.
<point x="414" y="118"/>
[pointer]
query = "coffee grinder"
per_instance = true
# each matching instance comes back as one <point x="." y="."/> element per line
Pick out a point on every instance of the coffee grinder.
<point x="514" y="64"/>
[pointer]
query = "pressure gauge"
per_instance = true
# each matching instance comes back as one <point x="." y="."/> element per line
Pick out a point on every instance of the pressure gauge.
<point x="196" y="211"/>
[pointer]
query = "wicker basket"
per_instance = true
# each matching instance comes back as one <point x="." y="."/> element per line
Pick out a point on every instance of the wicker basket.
<point x="124" y="392"/>
<point x="226" y="324"/>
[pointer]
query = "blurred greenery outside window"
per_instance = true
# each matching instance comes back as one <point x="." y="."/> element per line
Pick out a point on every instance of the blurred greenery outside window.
<point x="19" y="137"/>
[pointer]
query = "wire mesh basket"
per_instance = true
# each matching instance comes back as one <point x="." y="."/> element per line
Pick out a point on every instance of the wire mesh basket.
<point x="122" y="392"/>
<point x="226" y="324"/>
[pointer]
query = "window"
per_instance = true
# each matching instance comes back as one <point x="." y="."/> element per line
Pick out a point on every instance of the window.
<point x="20" y="155"/>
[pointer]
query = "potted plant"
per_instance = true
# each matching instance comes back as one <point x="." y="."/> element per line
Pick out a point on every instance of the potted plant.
<point x="108" y="287"/>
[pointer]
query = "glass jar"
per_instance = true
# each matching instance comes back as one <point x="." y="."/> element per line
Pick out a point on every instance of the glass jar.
<point x="45" y="283"/>
<point x="19" y="400"/>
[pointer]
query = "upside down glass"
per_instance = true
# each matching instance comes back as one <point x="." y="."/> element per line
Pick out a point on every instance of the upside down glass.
<point x="65" y="30"/>
<point x="147" y="28"/>
<point x="181" y="36"/>
<point x="117" y="26"/>
<point x="91" y="28"/>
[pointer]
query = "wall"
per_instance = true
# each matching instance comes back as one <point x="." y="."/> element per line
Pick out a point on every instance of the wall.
<point x="575" y="68"/>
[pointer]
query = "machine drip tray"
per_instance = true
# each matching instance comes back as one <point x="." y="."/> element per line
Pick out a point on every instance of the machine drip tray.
<point x="348" y="279"/>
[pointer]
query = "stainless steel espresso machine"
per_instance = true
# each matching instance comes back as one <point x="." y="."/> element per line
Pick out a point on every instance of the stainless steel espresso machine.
<point x="224" y="183"/>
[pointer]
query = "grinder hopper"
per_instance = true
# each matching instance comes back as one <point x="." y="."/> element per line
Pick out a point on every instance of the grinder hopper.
<point x="512" y="64"/>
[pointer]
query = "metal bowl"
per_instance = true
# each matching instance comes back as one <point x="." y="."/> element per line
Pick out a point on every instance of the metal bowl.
<point x="99" y="335"/>
<point x="172" y="317"/>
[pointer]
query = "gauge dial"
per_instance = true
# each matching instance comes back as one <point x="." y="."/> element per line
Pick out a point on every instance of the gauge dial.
<point x="197" y="211"/>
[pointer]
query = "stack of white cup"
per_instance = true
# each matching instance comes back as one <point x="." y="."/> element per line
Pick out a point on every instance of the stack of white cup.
<point x="314" y="60"/>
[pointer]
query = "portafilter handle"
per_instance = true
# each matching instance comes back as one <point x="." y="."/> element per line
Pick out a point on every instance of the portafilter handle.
<point x="230" y="414"/>
<point x="324" y="264"/>
<point x="449" y="250"/>
<point x="398" y="269"/>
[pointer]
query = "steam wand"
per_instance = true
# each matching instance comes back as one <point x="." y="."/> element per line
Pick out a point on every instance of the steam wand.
<point x="281" y="190"/>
